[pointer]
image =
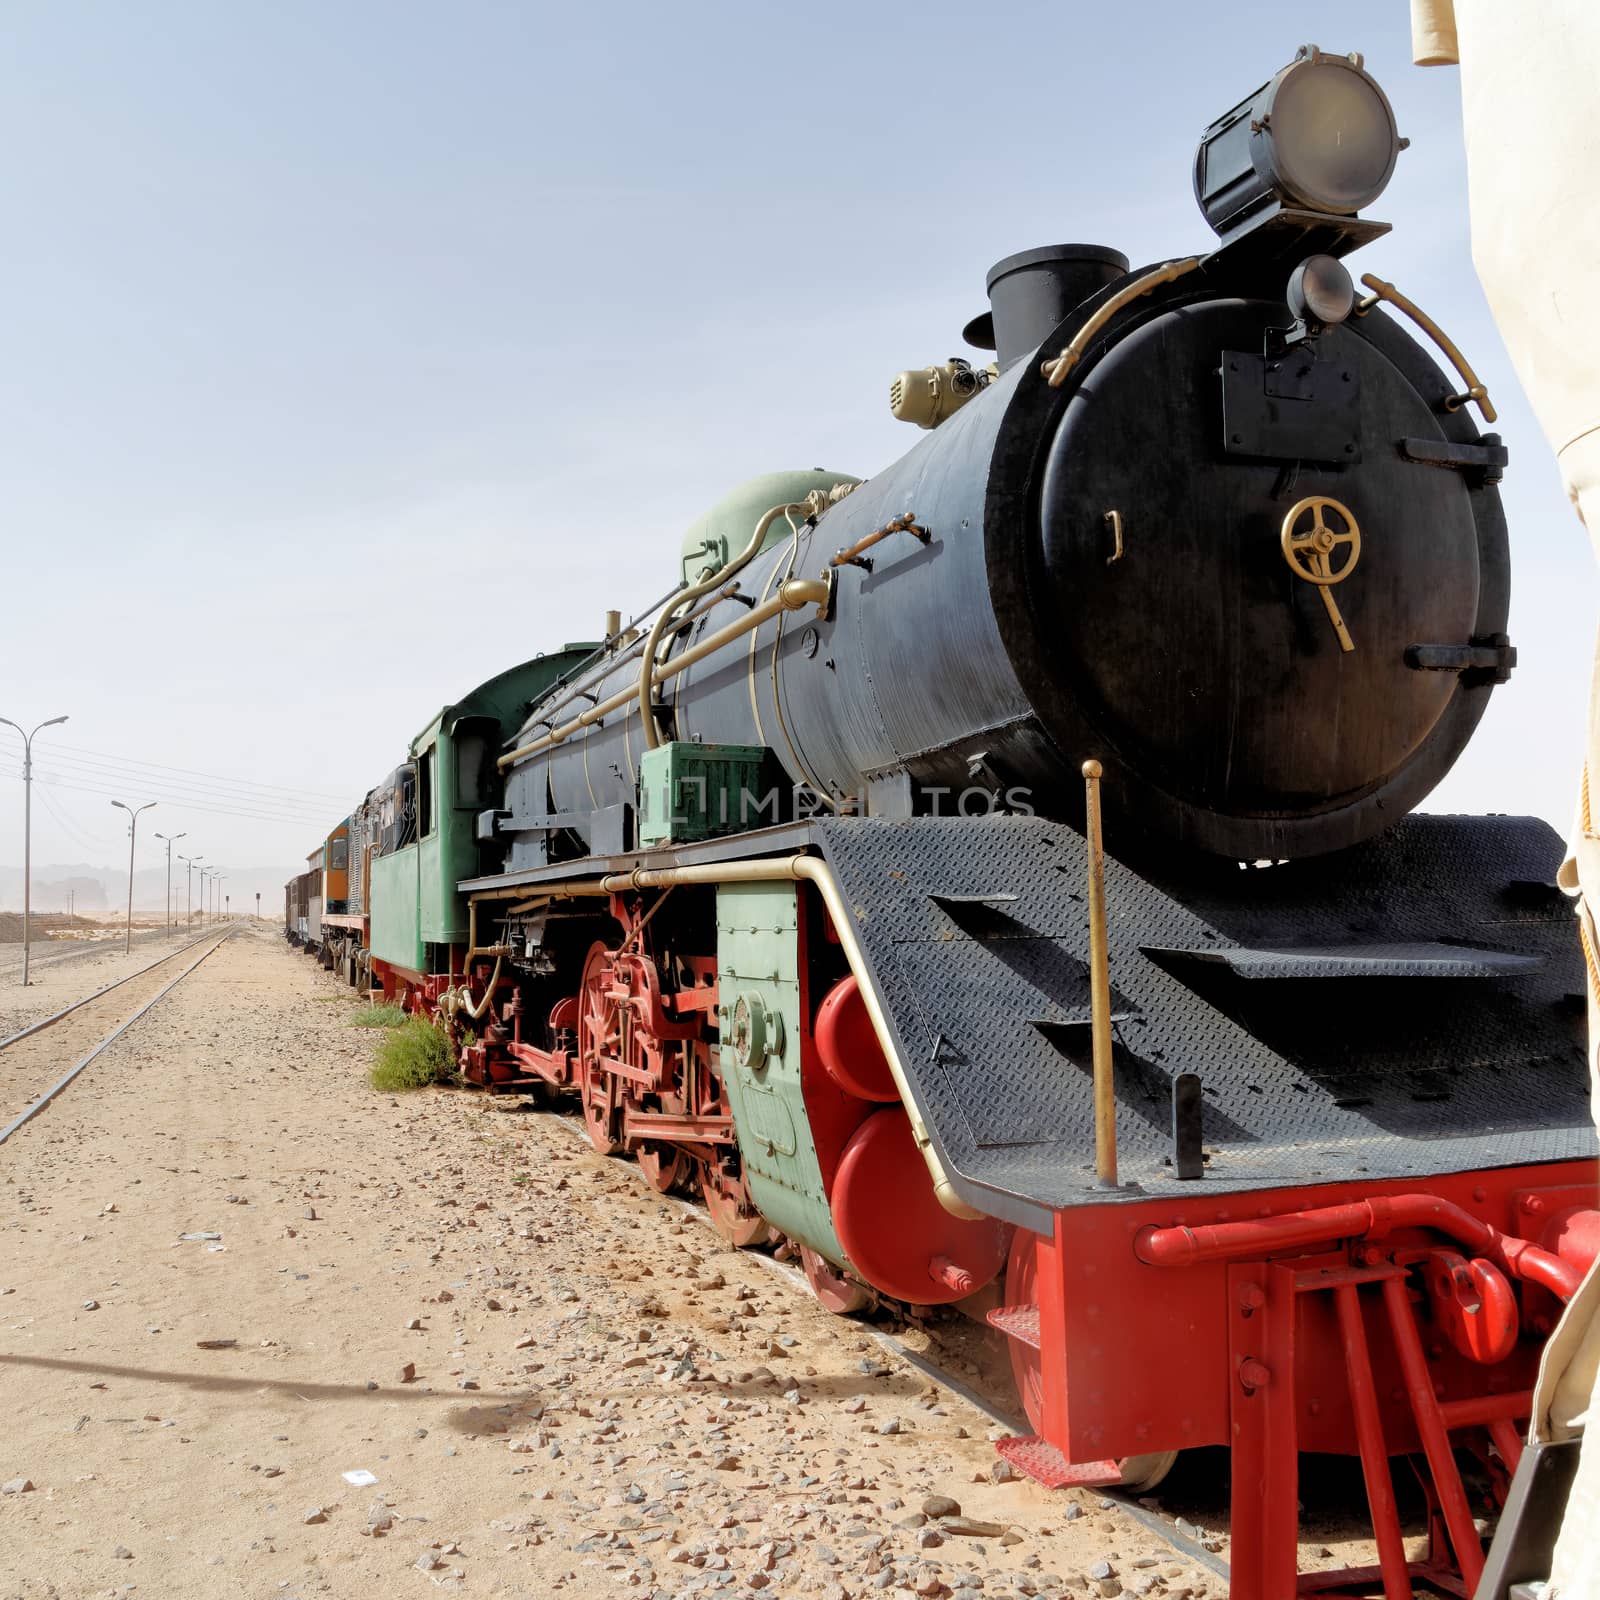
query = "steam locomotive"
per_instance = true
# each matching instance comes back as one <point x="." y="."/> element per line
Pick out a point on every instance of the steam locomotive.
<point x="997" y="876"/>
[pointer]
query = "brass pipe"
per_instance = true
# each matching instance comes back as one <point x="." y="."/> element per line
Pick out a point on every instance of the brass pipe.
<point x="812" y="870"/>
<point x="791" y="596"/>
<point x="647" y="666"/>
<point x="1105" y="1091"/>
<point x="906" y="523"/>
<point x="1055" y="372"/>
<point x="1475" y="389"/>
<point x="457" y="998"/>
<point x="628" y="648"/>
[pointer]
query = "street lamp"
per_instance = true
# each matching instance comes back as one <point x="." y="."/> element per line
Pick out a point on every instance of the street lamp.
<point x="188" y="910"/>
<point x="171" y="839"/>
<point x="27" y="830"/>
<point x="133" y="829"/>
<point x="216" y="898"/>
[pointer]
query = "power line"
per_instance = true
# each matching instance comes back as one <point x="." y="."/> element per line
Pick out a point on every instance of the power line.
<point x="101" y="771"/>
<point x="83" y="842"/>
<point x="284" y="819"/>
<point x="192" y="772"/>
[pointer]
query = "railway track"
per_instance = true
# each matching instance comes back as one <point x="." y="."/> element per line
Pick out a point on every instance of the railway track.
<point x="950" y="1382"/>
<point x="32" y="1059"/>
<point x="59" y="952"/>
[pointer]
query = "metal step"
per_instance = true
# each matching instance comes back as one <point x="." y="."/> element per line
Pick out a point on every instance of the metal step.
<point x="1017" y="1322"/>
<point x="1044" y="1463"/>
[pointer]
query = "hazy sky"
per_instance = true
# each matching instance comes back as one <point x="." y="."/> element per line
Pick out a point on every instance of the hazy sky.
<point x="353" y="352"/>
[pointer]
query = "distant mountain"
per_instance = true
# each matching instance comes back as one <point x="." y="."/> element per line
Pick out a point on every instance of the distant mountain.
<point x="98" y="891"/>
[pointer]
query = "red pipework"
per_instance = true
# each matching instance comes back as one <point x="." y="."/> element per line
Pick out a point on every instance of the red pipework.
<point x="1223" y="1241"/>
<point x="1370" y="1442"/>
<point x="1434" y="1434"/>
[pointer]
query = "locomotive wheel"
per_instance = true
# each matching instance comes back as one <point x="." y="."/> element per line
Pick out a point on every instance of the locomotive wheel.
<point x="732" y="1214"/>
<point x="599" y="1115"/>
<point x="1138" y="1472"/>
<point x="597" y="1033"/>
<point x="662" y="1164"/>
<point x="834" y="1291"/>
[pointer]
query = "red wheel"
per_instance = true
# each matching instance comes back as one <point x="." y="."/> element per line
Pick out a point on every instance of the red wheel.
<point x="598" y="1037"/>
<point x="732" y="1214"/>
<point x="834" y="1291"/>
<point x="662" y="1164"/>
<point x="1022" y="1276"/>
<point x="599" y="1115"/>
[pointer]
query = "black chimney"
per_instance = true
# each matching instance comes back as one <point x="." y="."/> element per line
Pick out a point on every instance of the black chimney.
<point x="1032" y="292"/>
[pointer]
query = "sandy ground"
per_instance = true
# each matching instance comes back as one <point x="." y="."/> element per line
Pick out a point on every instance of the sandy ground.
<point x="558" y="1382"/>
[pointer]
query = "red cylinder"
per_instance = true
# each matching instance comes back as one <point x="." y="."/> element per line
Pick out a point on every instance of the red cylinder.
<point x="895" y="1232"/>
<point x="847" y="1045"/>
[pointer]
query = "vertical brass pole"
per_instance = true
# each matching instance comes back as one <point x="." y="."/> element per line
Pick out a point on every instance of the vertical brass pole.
<point x="1105" y="1098"/>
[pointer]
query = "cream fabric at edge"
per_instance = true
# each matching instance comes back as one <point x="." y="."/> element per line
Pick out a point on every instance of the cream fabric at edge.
<point x="1530" y="109"/>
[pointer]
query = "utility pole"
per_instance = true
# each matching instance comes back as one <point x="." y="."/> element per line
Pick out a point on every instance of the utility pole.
<point x="171" y="839"/>
<point x="188" y="912"/>
<point x="203" y="871"/>
<point x="217" y="898"/>
<point x="27" y="832"/>
<point x="133" y="829"/>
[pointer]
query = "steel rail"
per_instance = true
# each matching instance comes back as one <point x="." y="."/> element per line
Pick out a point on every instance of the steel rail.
<point x="1189" y="1549"/>
<point x="75" y="950"/>
<point x="66" y="1011"/>
<point x="115" y="1034"/>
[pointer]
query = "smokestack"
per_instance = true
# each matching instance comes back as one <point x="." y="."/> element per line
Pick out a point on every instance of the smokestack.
<point x="1033" y="291"/>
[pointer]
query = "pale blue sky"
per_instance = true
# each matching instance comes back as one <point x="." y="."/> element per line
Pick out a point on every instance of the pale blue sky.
<point x="354" y="351"/>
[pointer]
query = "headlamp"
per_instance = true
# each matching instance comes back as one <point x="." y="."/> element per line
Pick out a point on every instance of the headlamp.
<point x="1320" y="292"/>
<point x="1320" y="137"/>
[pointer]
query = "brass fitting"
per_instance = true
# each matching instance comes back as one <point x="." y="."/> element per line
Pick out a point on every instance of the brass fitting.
<point x="927" y="395"/>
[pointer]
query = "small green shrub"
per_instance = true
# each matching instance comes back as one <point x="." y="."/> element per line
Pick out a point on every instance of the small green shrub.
<point x="413" y="1056"/>
<point x="379" y="1015"/>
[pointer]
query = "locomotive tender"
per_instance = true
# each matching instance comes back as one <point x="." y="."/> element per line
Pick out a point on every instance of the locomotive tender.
<point x="796" y="883"/>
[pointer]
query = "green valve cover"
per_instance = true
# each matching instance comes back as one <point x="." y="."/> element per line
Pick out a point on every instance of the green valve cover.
<point x="693" y="791"/>
<point x="758" y="953"/>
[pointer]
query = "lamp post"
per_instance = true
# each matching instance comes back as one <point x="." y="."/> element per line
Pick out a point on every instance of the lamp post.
<point x="171" y="839"/>
<point x="188" y="910"/>
<point x="27" y="831"/>
<point x="216" y="898"/>
<point x="133" y="829"/>
<point x="203" y="871"/>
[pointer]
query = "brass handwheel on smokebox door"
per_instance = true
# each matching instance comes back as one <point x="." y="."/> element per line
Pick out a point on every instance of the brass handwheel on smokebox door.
<point x="1310" y="549"/>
